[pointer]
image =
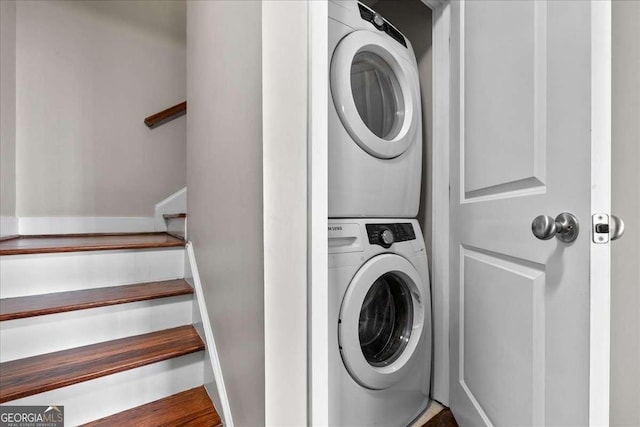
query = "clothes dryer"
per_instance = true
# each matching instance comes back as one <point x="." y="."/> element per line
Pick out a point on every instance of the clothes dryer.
<point x="375" y="118"/>
<point x="380" y="322"/>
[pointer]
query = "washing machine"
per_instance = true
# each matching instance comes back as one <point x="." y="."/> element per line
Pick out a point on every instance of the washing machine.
<point x="375" y="119"/>
<point x="379" y="322"/>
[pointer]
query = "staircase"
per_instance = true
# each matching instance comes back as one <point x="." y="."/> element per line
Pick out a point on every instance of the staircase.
<point x="176" y="224"/>
<point x="103" y="325"/>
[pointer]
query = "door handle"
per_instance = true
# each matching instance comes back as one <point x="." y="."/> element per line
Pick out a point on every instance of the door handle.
<point x="616" y="227"/>
<point x="565" y="227"/>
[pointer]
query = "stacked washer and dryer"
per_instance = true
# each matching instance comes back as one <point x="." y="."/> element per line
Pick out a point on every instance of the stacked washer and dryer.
<point x="379" y="293"/>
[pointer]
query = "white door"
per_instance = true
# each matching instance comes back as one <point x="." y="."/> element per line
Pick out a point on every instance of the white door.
<point x="530" y="136"/>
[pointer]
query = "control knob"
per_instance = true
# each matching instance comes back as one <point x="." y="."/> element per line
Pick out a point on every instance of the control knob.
<point x="378" y="21"/>
<point x="386" y="238"/>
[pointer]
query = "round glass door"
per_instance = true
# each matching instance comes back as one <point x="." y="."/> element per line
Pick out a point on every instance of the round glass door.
<point x="381" y="320"/>
<point x="376" y="93"/>
<point x="386" y="318"/>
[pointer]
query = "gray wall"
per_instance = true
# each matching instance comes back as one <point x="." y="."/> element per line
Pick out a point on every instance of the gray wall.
<point x="87" y="74"/>
<point x="224" y="177"/>
<point x="8" y="108"/>
<point x="625" y="257"/>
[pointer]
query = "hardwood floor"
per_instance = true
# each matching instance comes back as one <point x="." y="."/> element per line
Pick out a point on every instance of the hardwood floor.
<point x="87" y="242"/>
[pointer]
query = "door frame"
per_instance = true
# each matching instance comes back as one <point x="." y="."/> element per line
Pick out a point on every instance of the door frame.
<point x="317" y="214"/>
<point x="600" y="265"/>
<point x="318" y="303"/>
<point x="441" y="58"/>
<point x="318" y="207"/>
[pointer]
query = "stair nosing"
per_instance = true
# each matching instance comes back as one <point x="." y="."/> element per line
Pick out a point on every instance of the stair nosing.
<point x="174" y="242"/>
<point x="174" y="215"/>
<point x="97" y="354"/>
<point x="181" y="288"/>
<point x="101" y="234"/>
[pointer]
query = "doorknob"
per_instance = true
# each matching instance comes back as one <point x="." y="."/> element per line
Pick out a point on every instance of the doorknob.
<point x="616" y="228"/>
<point x="565" y="227"/>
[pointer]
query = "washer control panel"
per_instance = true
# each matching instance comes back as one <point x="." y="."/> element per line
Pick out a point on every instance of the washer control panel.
<point x="386" y="235"/>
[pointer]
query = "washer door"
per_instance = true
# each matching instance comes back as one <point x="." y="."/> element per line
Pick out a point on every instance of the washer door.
<point x="381" y="321"/>
<point x="376" y="93"/>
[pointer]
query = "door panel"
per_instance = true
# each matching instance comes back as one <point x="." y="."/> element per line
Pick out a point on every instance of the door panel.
<point x="520" y="147"/>
<point x="507" y="80"/>
<point x="502" y="359"/>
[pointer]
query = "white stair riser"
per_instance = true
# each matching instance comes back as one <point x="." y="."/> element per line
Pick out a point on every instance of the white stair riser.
<point x="90" y="400"/>
<point x="45" y="334"/>
<point x="22" y="275"/>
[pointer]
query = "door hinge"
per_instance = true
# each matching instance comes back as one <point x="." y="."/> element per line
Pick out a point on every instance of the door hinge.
<point x="600" y="228"/>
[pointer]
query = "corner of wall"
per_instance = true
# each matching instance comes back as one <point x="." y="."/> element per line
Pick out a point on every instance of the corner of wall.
<point x="175" y="203"/>
<point x="8" y="226"/>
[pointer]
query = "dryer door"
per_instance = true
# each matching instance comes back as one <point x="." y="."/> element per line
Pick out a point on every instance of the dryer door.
<point x="381" y="321"/>
<point x="376" y="93"/>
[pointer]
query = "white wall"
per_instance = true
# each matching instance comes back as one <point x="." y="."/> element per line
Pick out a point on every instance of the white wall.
<point x="284" y="102"/>
<point x="625" y="257"/>
<point x="225" y="181"/>
<point x="7" y="109"/>
<point x="88" y="73"/>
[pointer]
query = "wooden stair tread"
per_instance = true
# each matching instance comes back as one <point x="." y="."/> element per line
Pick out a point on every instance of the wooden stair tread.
<point x="189" y="408"/>
<point x="37" y="305"/>
<point x="37" y="374"/>
<point x="174" y="215"/>
<point x="87" y="242"/>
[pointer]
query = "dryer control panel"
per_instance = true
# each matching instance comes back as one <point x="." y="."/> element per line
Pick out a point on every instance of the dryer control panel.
<point x="381" y="24"/>
<point x="386" y="235"/>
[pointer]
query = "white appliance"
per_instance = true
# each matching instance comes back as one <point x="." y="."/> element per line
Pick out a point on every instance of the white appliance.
<point x="375" y="119"/>
<point x="379" y="322"/>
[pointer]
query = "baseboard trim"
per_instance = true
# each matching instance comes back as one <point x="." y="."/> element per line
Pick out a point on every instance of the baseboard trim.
<point x="194" y="280"/>
<point x="8" y="226"/>
<point x="73" y="225"/>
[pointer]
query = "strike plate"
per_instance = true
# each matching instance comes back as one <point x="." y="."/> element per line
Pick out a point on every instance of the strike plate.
<point x="600" y="228"/>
